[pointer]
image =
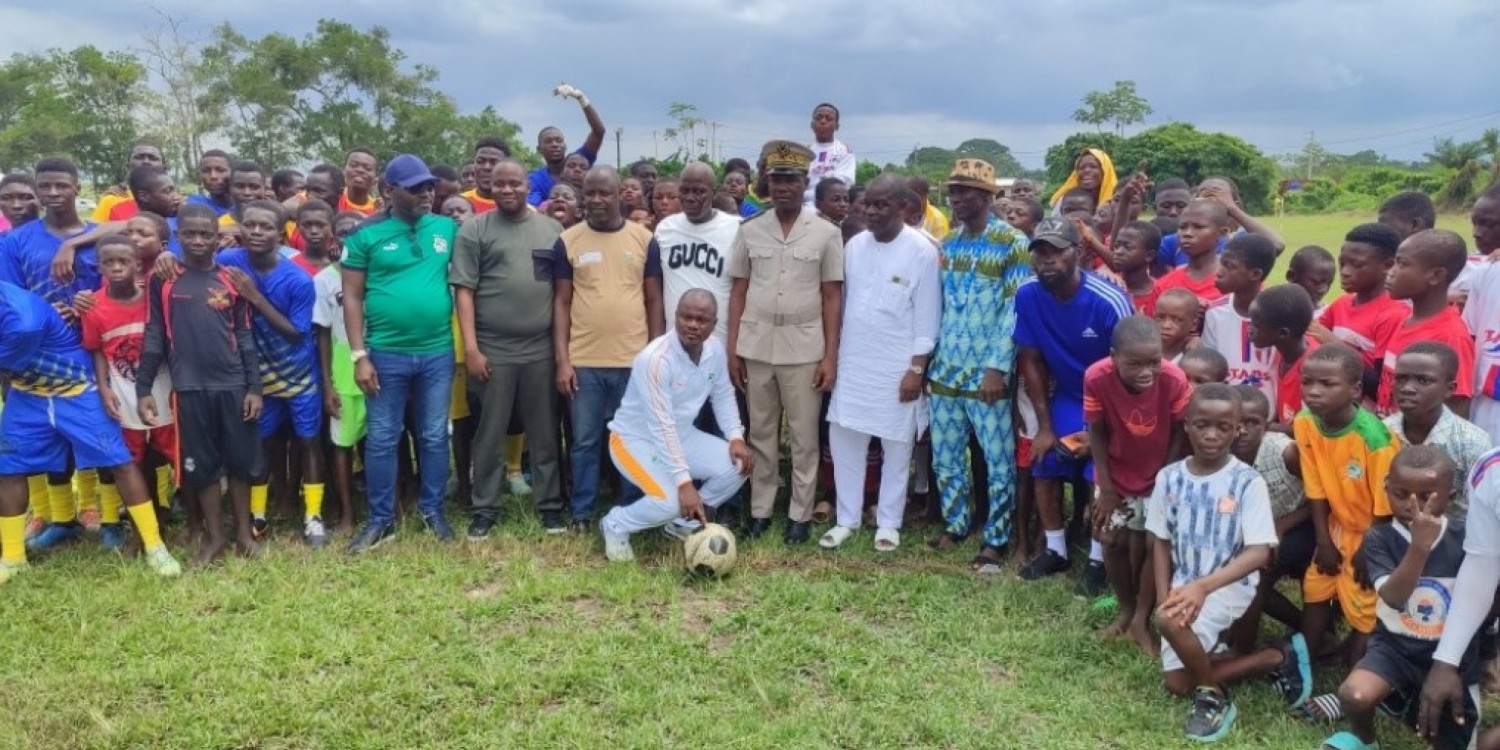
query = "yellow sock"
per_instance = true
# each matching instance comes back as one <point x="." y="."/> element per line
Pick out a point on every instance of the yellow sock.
<point x="86" y="485"/>
<point x="13" y="539"/>
<point x="515" y="445"/>
<point x="164" y="486"/>
<point x="109" y="503"/>
<point x="312" y="494"/>
<point x="36" y="489"/>
<point x="60" y="503"/>
<point x="258" y="496"/>
<point x="144" y="517"/>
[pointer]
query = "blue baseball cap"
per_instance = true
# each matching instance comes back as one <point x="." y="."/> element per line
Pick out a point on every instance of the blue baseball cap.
<point x="407" y="171"/>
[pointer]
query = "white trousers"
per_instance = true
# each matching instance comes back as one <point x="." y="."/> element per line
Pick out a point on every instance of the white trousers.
<point x="849" y="449"/>
<point x="642" y="465"/>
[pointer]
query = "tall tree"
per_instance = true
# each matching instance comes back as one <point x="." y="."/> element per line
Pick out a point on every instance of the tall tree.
<point x="182" y="114"/>
<point x="1120" y="106"/>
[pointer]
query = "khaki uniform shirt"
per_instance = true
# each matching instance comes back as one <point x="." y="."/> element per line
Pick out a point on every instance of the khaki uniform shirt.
<point x="783" y="319"/>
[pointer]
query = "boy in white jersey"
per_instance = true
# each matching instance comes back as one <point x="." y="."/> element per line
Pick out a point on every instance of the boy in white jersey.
<point x="1243" y="268"/>
<point x="1482" y="314"/>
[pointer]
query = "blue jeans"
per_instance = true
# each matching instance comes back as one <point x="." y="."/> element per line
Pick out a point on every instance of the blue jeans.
<point x="592" y="407"/>
<point x="427" y="380"/>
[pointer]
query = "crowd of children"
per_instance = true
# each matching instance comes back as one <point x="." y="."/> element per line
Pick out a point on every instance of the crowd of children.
<point x="1219" y="434"/>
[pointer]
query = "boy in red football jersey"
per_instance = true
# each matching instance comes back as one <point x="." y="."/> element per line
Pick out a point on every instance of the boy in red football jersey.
<point x="1426" y="264"/>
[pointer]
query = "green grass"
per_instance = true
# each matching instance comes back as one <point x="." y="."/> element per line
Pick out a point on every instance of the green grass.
<point x="1328" y="231"/>
<point x="535" y="642"/>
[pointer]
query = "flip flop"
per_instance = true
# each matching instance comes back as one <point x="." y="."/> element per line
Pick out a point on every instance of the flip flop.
<point x="1325" y="707"/>
<point x="1347" y="741"/>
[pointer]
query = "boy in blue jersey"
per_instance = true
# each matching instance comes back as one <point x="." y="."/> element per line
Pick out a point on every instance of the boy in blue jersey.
<point x="53" y="408"/>
<point x="26" y="256"/>
<point x="18" y="201"/>
<point x="283" y="296"/>
<point x="1065" y="318"/>
<point x="213" y="177"/>
<point x="154" y="192"/>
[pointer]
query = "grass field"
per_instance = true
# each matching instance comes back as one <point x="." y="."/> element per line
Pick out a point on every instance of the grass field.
<point x="1328" y="231"/>
<point x="536" y="642"/>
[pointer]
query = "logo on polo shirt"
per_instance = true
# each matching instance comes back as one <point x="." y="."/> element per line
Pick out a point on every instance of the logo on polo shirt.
<point x="389" y="246"/>
<point x="439" y="245"/>
<point x="1088" y="333"/>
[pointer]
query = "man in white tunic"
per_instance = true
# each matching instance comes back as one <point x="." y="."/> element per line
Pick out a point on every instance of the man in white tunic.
<point x="652" y="439"/>
<point x="892" y="309"/>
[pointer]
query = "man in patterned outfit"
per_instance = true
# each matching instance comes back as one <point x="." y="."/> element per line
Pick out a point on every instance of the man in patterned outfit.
<point x="984" y="260"/>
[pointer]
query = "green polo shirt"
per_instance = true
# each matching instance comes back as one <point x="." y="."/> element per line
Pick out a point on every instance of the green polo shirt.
<point x="408" y="305"/>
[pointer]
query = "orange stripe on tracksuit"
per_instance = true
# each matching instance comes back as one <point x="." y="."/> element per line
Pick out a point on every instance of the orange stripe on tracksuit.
<point x="636" y="473"/>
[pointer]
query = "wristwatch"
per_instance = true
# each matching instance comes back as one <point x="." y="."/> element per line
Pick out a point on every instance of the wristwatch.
<point x="915" y="369"/>
<point x="357" y="355"/>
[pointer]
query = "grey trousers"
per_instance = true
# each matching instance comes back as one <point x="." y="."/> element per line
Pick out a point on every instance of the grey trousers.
<point x="530" y="388"/>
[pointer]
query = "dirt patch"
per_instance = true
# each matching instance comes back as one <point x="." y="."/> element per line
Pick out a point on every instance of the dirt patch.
<point x="486" y="592"/>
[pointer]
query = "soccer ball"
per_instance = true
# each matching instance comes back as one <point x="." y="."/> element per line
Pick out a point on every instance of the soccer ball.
<point x="710" y="552"/>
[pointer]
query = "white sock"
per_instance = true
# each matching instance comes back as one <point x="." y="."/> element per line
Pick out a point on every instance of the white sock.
<point x="1057" y="541"/>
<point x="1096" y="551"/>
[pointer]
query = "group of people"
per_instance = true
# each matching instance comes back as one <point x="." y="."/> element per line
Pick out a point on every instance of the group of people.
<point x="1216" y="432"/>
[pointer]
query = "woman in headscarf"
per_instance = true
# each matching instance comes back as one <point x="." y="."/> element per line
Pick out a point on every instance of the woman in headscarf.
<point x="1093" y="171"/>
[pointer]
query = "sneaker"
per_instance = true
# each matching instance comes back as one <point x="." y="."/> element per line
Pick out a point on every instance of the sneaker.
<point x="9" y="570"/>
<point x="1048" y="563"/>
<point x="681" y="528"/>
<point x="371" y="536"/>
<point x="112" y="536"/>
<point x="617" y="548"/>
<point x="259" y="527"/>
<point x="437" y="523"/>
<point x="516" y="484"/>
<point x="1094" y="583"/>
<point x="162" y="563"/>
<point x="89" y="517"/>
<point x="1293" y="679"/>
<point x="1211" y="716"/>
<point x="314" y="533"/>
<point x="553" y="522"/>
<point x="479" y="528"/>
<point x="55" y="535"/>
<point x="35" y="525"/>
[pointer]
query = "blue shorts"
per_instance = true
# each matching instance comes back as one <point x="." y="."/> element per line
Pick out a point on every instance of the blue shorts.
<point x="1059" y="465"/>
<point x="36" y="433"/>
<point x="304" y="412"/>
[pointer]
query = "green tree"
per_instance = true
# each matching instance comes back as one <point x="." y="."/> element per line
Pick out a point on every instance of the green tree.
<point x="997" y="154"/>
<point x="1060" y="158"/>
<point x="288" y="101"/>
<point x="81" y="103"/>
<point x="1120" y="106"/>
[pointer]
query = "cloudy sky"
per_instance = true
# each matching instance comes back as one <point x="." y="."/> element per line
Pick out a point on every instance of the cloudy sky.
<point x="1378" y="74"/>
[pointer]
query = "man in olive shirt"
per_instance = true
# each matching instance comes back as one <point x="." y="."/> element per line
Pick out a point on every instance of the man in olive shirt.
<point x="608" y="304"/>
<point x="784" y="307"/>
<point x="397" y="303"/>
<point x="502" y="279"/>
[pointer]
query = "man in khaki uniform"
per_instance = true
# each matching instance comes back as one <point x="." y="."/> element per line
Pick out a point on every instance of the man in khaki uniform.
<point x="788" y="269"/>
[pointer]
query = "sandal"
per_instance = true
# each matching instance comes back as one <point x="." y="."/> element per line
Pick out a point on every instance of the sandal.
<point x="945" y="541"/>
<point x="1325" y="707"/>
<point x="987" y="562"/>
<point x="835" y="536"/>
<point x="887" y="540"/>
<point x="1347" y="741"/>
<point x="822" y="512"/>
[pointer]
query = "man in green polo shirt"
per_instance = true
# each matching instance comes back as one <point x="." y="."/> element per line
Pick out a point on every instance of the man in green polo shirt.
<point x="398" y="310"/>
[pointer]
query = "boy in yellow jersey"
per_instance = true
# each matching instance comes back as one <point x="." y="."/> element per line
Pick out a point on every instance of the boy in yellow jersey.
<point x="1345" y="452"/>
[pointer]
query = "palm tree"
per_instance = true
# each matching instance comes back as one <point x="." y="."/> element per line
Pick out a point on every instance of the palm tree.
<point x="1447" y="153"/>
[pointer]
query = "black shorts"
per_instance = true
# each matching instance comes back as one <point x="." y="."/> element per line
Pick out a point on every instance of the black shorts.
<point x="1388" y="656"/>
<point x="214" y="439"/>
<point x="1294" y="552"/>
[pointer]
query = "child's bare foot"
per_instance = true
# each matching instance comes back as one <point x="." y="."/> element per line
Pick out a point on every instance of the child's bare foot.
<point x="247" y="548"/>
<point x="1141" y="634"/>
<point x="1113" y="630"/>
<point x="211" y="553"/>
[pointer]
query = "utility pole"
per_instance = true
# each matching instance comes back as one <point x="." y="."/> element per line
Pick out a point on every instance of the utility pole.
<point x="713" y="141"/>
<point x="618" y="132"/>
<point x="1312" y="150"/>
<point x="655" y="151"/>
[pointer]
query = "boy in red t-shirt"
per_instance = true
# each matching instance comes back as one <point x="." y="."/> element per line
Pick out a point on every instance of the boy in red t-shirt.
<point x="1204" y="224"/>
<point x="1134" y="404"/>
<point x="1365" y="317"/>
<point x="113" y="330"/>
<point x="1130" y="257"/>
<point x="1426" y="264"/>
<point x="1279" y="318"/>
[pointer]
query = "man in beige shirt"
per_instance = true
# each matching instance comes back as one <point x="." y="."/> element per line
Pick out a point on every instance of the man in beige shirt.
<point x="788" y="269"/>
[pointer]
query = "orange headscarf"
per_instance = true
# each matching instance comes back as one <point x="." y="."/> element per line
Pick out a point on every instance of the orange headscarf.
<point x="1106" y="181"/>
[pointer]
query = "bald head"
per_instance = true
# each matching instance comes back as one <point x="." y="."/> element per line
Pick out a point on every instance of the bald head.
<point x="601" y="198"/>
<point x="699" y="296"/>
<point x="695" y="189"/>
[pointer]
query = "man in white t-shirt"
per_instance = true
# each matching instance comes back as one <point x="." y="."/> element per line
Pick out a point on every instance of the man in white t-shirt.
<point x="695" y="244"/>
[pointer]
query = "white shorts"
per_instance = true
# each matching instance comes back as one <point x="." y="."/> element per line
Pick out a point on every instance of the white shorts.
<point x="1220" y="611"/>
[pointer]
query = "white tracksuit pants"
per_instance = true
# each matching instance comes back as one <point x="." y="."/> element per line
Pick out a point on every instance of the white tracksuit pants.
<point x="642" y="465"/>
<point x="849" y="449"/>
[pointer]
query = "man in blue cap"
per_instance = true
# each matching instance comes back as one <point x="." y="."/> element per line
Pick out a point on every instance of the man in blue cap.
<point x="398" y="310"/>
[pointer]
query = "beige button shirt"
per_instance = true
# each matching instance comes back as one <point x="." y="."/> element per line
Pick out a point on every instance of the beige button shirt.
<point x="783" y="319"/>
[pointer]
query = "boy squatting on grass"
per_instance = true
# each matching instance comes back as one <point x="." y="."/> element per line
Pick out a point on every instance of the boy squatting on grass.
<point x="1212" y="531"/>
